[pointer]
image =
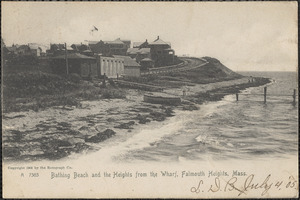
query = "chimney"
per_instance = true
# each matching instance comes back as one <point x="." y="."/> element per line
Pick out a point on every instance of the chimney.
<point x="146" y="40"/>
<point x="158" y="37"/>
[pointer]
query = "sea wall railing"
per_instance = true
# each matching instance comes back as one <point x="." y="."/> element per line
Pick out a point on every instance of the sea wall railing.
<point x="265" y="95"/>
<point x="173" y="68"/>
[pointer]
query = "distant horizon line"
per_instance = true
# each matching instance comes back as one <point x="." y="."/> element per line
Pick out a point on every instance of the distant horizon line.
<point x="261" y="71"/>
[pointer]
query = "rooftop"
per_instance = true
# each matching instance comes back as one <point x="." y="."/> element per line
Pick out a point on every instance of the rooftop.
<point x="93" y="42"/>
<point x="159" y="41"/>
<point x="147" y="60"/>
<point x="138" y="51"/>
<point x="137" y="44"/>
<point x="144" y="50"/>
<point x="74" y="56"/>
<point x="132" y="50"/>
<point x="116" y="41"/>
<point x="34" y="46"/>
<point x="127" y="61"/>
<point x="13" y="48"/>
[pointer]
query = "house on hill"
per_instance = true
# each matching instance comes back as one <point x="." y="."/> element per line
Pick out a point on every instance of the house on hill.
<point x="116" y="47"/>
<point x="22" y="54"/>
<point x="83" y="49"/>
<point x="131" y="67"/>
<point x="139" y="53"/>
<point x="126" y="42"/>
<point x="59" y="49"/>
<point x="29" y="50"/>
<point x="35" y="49"/>
<point x="96" y="47"/>
<point x="10" y="51"/>
<point x="80" y="47"/>
<point x="141" y="44"/>
<point x="161" y="52"/>
<point x="108" y="48"/>
<point x="132" y="52"/>
<point x="136" y="44"/>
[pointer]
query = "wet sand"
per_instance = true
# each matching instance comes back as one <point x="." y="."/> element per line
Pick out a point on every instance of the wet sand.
<point x="58" y="131"/>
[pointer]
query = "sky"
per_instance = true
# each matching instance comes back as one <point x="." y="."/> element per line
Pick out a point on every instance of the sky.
<point x="245" y="36"/>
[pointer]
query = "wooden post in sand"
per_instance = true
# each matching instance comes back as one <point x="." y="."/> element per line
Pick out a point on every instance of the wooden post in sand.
<point x="237" y="96"/>
<point x="103" y="82"/>
<point x="294" y="97"/>
<point x="66" y="58"/>
<point x="265" y="95"/>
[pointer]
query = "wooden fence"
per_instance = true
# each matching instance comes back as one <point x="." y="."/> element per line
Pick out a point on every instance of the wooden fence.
<point x="265" y="95"/>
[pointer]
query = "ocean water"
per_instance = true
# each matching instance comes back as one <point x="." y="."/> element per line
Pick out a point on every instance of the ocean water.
<point x="228" y="129"/>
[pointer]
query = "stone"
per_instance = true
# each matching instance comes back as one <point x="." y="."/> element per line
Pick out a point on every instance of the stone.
<point x="80" y="147"/>
<point x="158" y="116"/>
<point x="100" y="136"/>
<point x="142" y="119"/>
<point x="125" y="125"/>
<point x="190" y="107"/>
<point x="11" y="152"/>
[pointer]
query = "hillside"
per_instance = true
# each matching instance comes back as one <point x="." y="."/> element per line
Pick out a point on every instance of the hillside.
<point x="213" y="62"/>
<point x="212" y="72"/>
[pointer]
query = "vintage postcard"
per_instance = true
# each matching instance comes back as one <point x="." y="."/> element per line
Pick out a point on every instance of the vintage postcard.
<point x="149" y="99"/>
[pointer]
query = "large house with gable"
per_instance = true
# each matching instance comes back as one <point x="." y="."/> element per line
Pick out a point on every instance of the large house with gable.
<point x="159" y="51"/>
<point x="109" y="48"/>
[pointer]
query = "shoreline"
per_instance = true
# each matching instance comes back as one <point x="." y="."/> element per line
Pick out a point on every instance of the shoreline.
<point x="57" y="132"/>
<point x="219" y="93"/>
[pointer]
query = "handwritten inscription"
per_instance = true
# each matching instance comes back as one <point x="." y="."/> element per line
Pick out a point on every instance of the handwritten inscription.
<point x="243" y="185"/>
<point x="236" y="182"/>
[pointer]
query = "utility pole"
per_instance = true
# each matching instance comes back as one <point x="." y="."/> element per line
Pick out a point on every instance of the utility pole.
<point x="66" y="54"/>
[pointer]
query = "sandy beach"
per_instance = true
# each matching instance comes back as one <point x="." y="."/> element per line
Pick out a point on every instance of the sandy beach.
<point x="58" y="131"/>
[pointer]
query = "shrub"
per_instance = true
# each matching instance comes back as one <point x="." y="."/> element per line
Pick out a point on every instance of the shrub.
<point x="75" y="78"/>
<point x="112" y="94"/>
<point x="89" y="94"/>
